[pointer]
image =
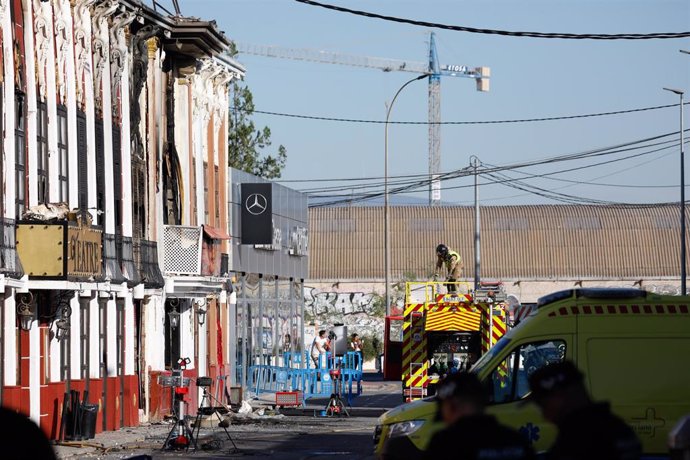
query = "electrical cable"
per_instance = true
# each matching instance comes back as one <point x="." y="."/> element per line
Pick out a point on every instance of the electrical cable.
<point x="518" y="184"/>
<point x="467" y="171"/>
<point x="622" y="147"/>
<point x="556" y="35"/>
<point x="360" y="197"/>
<point x="571" y="199"/>
<point x="471" y="122"/>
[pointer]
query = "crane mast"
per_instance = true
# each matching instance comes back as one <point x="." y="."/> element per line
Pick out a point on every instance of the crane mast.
<point x="434" y="125"/>
<point x="432" y="68"/>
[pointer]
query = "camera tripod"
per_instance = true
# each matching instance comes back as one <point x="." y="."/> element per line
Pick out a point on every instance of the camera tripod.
<point x="203" y="410"/>
<point x="336" y="405"/>
<point x="181" y="434"/>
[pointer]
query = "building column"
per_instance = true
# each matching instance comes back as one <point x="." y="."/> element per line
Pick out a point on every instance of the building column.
<point x="203" y="342"/>
<point x="187" y="331"/>
<point x="30" y="65"/>
<point x="94" y="339"/>
<point x="232" y="343"/>
<point x="34" y="379"/>
<point x="9" y="335"/>
<point x="130" y="328"/>
<point x="75" y="338"/>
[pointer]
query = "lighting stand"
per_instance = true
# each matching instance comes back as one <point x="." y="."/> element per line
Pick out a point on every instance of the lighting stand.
<point x="203" y="410"/>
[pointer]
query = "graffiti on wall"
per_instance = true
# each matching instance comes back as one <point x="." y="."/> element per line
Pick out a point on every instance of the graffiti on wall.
<point x="361" y="312"/>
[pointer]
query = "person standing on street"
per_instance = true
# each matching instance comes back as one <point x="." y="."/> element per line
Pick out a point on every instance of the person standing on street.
<point x="470" y="433"/>
<point x="356" y="345"/>
<point x="318" y="348"/>
<point x="586" y="430"/>
<point x="453" y="264"/>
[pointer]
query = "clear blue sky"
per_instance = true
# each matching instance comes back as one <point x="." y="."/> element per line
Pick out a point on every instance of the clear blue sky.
<point x="530" y="78"/>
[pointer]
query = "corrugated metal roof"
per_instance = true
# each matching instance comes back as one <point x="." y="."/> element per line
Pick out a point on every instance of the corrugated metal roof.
<point x="518" y="242"/>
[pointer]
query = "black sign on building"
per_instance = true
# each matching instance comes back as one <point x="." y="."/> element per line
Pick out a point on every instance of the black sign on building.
<point x="257" y="214"/>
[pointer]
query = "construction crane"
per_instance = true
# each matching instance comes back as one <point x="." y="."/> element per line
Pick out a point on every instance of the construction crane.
<point x="433" y="68"/>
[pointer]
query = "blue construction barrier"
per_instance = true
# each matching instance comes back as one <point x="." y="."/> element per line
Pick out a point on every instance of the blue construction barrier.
<point x="312" y="380"/>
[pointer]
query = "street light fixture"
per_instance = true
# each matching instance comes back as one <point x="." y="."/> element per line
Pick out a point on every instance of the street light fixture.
<point x="62" y="329"/>
<point x="386" y="229"/>
<point x="174" y="314"/>
<point x="201" y="311"/>
<point x="26" y="310"/>
<point x="680" y="94"/>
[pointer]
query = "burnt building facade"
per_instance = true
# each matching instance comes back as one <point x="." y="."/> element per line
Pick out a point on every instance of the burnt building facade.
<point x="114" y="255"/>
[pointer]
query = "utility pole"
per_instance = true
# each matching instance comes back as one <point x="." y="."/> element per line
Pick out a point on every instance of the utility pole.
<point x="683" y="264"/>
<point x="475" y="163"/>
<point x="386" y="210"/>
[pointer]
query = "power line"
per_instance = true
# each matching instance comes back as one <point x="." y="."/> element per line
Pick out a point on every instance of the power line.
<point x="472" y="122"/>
<point x="621" y="148"/>
<point x="627" y="146"/>
<point x="557" y="35"/>
<point x="518" y="184"/>
<point x="362" y="196"/>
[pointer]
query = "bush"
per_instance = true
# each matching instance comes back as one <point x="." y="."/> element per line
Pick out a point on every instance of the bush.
<point x="372" y="347"/>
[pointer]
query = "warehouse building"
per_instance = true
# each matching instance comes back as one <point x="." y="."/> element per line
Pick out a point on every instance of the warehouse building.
<point x="532" y="249"/>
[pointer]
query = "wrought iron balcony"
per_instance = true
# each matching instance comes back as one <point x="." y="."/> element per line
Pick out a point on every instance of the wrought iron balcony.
<point x="148" y="265"/>
<point x="111" y="266"/>
<point x="10" y="265"/>
<point x="125" y="257"/>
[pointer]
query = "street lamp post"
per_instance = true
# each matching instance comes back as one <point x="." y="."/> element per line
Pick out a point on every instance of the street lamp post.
<point x="683" y="290"/>
<point x="386" y="224"/>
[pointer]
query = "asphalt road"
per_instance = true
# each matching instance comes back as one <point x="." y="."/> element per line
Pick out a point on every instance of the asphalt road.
<point x="300" y="435"/>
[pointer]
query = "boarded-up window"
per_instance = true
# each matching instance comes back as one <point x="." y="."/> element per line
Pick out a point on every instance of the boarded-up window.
<point x="206" y="203"/>
<point x="139" y="197"/>
<point x="42" y="153"/>
<point x="216" y="176"/>
<point x="192" y="200"/>
<point x="20" y="154"/>
<point x="63" y="165"/>
<point x="83" y="171"/>
<point x="117" y="178"/>
<point x="100" y="172"/>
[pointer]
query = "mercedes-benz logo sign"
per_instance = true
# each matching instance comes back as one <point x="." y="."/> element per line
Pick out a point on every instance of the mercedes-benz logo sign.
<point x="256" y="204"/>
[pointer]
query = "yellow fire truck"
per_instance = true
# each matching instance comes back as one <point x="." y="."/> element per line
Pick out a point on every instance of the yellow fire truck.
<point x="447" y="332"/>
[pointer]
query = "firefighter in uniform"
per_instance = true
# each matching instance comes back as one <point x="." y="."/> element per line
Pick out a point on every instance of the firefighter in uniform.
<point x="453" y="263"/>
<point x="470" y="433"/>
<point x="585" y="429"/>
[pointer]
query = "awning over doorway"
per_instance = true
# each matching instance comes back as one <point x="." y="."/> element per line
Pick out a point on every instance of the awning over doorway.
<point x="215" y="233"/>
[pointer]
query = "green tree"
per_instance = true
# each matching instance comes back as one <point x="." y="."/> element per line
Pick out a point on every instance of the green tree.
<point x="247" y="144"/>
<point x="372" y="347"/>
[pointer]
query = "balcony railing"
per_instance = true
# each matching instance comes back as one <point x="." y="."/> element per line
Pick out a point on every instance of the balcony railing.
<point x="111" y="266"/>
<point x="125" y="257"/>
<point x="148" y="265"/>
<point x="10" y="264"/>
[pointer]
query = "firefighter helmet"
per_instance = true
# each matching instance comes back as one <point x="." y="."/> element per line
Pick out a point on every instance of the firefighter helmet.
<point x="442" y="250"/>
